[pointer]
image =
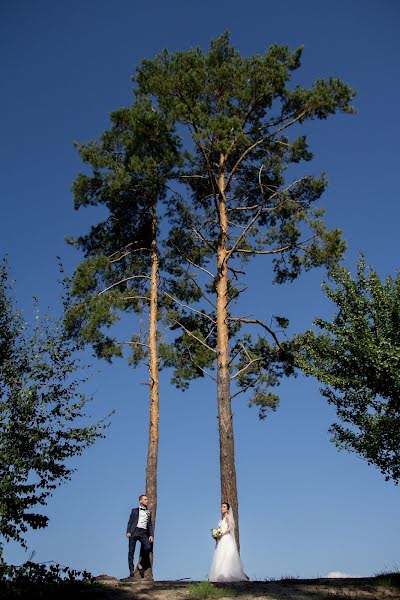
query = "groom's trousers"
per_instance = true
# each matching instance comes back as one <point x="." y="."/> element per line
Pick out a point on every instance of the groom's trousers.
<point x="141" y="536"/>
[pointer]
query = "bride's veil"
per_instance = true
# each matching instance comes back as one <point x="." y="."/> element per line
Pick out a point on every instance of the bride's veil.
<point x="232" y="523"/>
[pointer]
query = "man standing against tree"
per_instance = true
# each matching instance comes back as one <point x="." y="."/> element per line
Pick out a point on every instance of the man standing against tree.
<point x="140" y="528"/>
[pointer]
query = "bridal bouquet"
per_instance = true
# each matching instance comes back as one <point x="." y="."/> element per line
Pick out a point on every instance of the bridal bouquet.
<point x="216" y="533"/>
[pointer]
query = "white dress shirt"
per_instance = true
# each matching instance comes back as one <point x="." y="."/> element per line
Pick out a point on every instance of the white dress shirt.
<point x="143" y="518"/>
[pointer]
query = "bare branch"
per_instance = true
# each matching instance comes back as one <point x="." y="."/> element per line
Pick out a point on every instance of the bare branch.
<point x="258" y="322"/>
<point x="253" y="360"/>
<point x="123" y="281"/>
<point x="249" y="385"/>
<point x="274" y="251"/>
<point x="136" y="298"/>
<point x="135" y="344"/>
<point x="126" y="254"/>
<point x="203" y="239"/>
<point x="200" y="290"/>
<point x="199" y="367"/>
<point x="125" y="248"/>
<point x="192" y="263"/>
<point x="190" y="308"/>
<point x="236" y="272"/>
<point x="195" y="337"/>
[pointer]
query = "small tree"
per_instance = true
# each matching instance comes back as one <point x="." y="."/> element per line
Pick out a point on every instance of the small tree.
<point x="235" y="114"/>
<point x="41" y="413"/>
<point x="357" y="358"/>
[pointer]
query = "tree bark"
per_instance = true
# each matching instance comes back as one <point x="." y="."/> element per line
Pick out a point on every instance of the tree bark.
<point x="226" y="436"/>
<point x="152" y="452"/>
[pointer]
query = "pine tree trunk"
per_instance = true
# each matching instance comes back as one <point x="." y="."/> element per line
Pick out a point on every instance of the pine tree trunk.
<point x="152" y="452"/>
<point x="226" y="436"/>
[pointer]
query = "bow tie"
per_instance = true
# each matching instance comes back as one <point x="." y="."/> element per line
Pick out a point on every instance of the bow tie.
<point x="141" y="508"/>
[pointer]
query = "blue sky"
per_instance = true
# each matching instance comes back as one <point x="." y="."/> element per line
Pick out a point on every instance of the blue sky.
<point x="305" y="509"/>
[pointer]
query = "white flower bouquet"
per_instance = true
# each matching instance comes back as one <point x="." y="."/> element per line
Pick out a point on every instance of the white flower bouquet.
<point x="216" y="533"/>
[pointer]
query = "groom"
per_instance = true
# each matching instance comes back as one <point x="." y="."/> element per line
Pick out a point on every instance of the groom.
<point x="140" y="528"/>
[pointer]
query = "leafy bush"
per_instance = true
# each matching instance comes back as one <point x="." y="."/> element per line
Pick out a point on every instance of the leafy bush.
<point x="34" y="581"/>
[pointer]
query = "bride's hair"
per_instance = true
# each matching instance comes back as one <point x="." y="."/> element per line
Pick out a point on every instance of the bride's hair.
<point x="227" y="504"/>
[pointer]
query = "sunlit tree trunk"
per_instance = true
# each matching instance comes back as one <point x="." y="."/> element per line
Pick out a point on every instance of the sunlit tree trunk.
<point x="226" y="436"/>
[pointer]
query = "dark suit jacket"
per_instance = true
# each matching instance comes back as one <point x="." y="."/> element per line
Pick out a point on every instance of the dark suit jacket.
<point x="133" y="521"/>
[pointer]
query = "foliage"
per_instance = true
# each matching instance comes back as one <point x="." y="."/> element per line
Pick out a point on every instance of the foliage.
<point x="32" y="580"/>
<point x="234" y="114"/>
<point x="388" y="579"/>
<point x="130" y="165"/>
<point x="357" y="358"/>
<point x="42" y="418"/>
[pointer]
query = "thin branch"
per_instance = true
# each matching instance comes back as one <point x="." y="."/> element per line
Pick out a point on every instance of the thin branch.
<point x="135" y="344"/>
<point x="195" y="336"/>
<point x="127" y="254"/>
<point x="123" y="281"/>
<point x="199" y="367"/>
<point x="274" y="251"/>
<point x="253" y="360"/>
<point x="200" y="290"/>
<point x="236" y="295"/>
<point x="125" y="248"/>
<point x="203" y="239"/>
<point x="190" y="308"/>
<point x="249" y="385"/>
<point x="258" y="322"/>
<point x="235" y="272"/>
<point x="136" y="298"/>
<point x="245" y="350"/>
<point x="192" y="263"/>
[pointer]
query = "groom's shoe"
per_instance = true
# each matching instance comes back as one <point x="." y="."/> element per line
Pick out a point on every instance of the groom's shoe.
<point x="141" y="571"/>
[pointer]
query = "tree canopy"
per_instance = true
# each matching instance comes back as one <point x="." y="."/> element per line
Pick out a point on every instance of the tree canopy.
<point x="357" y="358"/>
<point x="42" y="414"/>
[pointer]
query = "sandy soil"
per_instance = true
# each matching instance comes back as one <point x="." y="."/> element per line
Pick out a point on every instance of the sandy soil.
<point x="296" y="589"/>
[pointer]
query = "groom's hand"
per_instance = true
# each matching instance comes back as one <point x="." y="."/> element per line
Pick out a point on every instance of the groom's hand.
<point x="151" y="539"/>
<point x="128" y="535"/>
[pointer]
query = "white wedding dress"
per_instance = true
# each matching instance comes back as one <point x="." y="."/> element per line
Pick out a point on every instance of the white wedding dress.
<point x="226" y="564"/>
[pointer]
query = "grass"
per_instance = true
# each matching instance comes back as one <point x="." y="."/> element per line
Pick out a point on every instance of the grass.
<point x="387" y="579"/>
<point x="204" y="590"/>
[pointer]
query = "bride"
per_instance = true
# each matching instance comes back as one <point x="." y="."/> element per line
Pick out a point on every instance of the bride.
<point x="226" y="564"/>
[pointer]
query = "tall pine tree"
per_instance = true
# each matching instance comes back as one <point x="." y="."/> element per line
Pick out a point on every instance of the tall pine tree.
<point x="235" y="115"/>
<point x="130" y="166"/>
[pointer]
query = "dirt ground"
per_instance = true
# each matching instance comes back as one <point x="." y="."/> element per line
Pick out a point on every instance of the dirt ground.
<point x="293" y="589"/>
